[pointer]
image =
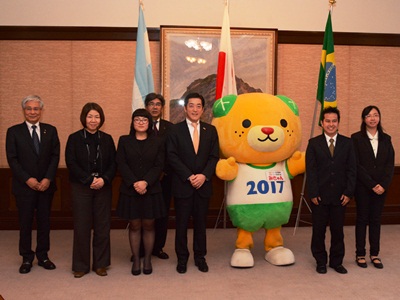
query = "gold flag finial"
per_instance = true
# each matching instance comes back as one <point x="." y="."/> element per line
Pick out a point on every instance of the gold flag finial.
<point x="332" y="2"/>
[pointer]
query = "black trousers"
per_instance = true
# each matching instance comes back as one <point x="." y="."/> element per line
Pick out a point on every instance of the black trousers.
<point x="91" y="209"/>
<point x="322" y="216"/>
<point x="161" y="224"/>
<point x="369" y="211"/>
<point x="195" y="207"/>
<point x="27" y="206"/>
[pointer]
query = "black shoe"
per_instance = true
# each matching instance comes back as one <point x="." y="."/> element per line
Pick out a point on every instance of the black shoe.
<point x="147" y="268"/>
<point x="321" y="269"/>
<point x="181" y="267"/>
<point x="25" y="267"/>
<point x="201" y="265"/>
<point x="147" y="271"/>
<point x="47" y="264"/>
<point x="361" y="262"/>
<point x="340" y="269"/>
<point x="376" y="261"/>
<point x="161" y="254"/>
<point x="134" y="271"/>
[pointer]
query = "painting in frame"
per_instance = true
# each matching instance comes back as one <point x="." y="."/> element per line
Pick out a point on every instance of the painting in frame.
<point x="189" y="59"/>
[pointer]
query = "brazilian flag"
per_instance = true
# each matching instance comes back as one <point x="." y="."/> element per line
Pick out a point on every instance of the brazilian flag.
<point x="326" y="93"/>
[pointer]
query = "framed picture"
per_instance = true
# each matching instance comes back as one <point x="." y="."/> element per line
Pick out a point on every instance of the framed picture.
<point x="189" y="59"/>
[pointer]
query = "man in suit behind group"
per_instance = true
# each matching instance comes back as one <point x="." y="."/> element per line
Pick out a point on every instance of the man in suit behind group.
<point x="33" y="153"/>
<point x="193" y="152"/>
<point x="154" y="104"/>
<point x="331" y="177"/>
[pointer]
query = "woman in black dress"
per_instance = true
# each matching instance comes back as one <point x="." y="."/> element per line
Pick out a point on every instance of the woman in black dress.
<point x="140" y="159"/>
<point x="375" y="167"/>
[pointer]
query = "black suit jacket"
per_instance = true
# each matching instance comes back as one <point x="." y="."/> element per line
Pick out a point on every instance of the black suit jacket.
<point x="77" y="158"/>
<point x="330" y="177"/>
<point x="140" y="163"/>
<point x="25" y="163"/>
<point x="373" y="170"/>
<point x="163" y="131"/>
<point x="185" y="162"/>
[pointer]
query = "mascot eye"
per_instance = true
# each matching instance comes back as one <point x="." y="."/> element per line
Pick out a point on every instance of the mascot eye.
<point x="283" y="123"/>
<point x="246" y="123"/>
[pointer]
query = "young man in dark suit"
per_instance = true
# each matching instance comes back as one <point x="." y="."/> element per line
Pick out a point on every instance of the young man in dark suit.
<point x="331" y="177"/>
<point x="193" y="152"/>
<point x="33" y="153"/>
<point x="154" y="104"/>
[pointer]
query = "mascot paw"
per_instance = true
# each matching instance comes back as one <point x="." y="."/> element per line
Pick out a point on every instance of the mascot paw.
<point x="280" y="256"/>
<point x="242" y="258"/>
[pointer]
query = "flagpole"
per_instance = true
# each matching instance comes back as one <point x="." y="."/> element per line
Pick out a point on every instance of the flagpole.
<point x="302" y="198"/>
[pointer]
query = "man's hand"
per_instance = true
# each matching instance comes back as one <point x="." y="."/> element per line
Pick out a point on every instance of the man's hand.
<point x="44" y="184"/>
<point x="33" y="183"/>
<point x="316" y="200"/>
<point x="344" y="200"/>
<point x="378" y="189"/>
<point x="197" y="180"/>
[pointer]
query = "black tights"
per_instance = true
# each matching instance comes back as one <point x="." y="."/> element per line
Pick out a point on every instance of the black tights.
<point x="137" y="228"/>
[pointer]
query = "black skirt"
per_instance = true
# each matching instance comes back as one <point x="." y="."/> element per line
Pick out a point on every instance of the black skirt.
<point x="141" y="206"/>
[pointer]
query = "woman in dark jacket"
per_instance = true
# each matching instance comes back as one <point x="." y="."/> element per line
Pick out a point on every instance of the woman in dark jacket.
<point x="90" y="158"/>
<point x="375" y="167"/>
<point x="140" y="159"/>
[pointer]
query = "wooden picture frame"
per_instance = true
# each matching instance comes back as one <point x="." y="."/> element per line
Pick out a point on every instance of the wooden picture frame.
<point x="189" y="59"/>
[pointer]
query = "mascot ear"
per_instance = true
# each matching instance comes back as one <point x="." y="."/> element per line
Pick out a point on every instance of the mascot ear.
<point x="222" y="106"/>
<point x="289" y="102"/>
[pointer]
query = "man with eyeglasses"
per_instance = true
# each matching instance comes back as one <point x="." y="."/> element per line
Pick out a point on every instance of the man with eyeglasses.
<point x="154" y="105"/>
<point x="33" y="153"/>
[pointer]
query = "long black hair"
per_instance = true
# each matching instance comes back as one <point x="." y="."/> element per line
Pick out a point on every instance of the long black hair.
<point x="365" y="113"/>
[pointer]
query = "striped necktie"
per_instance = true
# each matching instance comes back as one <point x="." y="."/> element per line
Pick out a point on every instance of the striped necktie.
<point x="35" y="139"/>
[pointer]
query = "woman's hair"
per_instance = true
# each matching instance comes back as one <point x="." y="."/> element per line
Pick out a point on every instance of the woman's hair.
<point x="92" y="106"/>
<point x="141" y="112"/>
<point x="365" y="113"/>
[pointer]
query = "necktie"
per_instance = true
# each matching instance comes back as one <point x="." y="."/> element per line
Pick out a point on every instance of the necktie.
<point x="155" y="130"/>
<point x="35" y="139"/>
<point x="331" y="147"/>
<point x="195" y="137"/>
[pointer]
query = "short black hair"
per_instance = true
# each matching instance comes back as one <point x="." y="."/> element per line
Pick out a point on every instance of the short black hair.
<point x="152" y="96"/>
<point x="88" y="107"/>
<point x="194" y="95"/>
<point x="330" y="110"/>
<point x="141" y="112"/>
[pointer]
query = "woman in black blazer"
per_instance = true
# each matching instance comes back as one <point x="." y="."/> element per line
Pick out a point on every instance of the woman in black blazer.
<point x="375" y="167"/>
<point x="140" y="159"/>
<point x="90" y="158"/>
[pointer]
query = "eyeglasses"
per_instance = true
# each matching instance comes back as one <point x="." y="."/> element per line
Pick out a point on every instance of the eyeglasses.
<point x="372" y="116"/>
<point x="32" y="108"/>
<point x="158" y="104"/>
<point x="143" y="120"/>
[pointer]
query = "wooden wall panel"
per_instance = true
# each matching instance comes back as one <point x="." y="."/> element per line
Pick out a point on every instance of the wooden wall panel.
<point x="61" y="217"/>
<point x="68" y="67"/>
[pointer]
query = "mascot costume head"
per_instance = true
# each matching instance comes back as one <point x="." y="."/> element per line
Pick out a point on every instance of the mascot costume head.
<point x="259" y="135"/>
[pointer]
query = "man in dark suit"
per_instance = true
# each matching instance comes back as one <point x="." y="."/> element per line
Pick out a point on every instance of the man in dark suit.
<point x="33" y="153"/>
<point x="193" y="152"/>
<point x="154" y="105"/>
<point x="331" y="177"/>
